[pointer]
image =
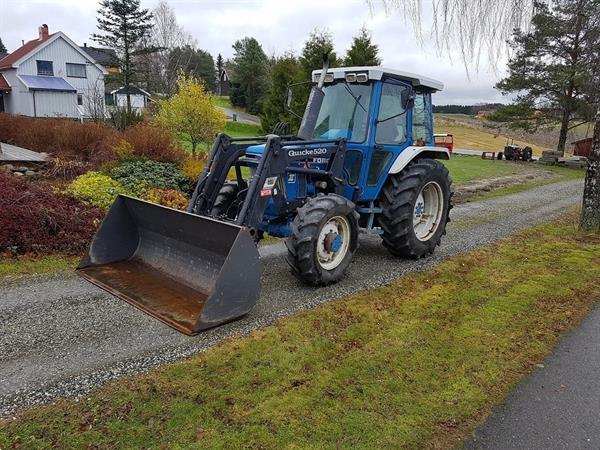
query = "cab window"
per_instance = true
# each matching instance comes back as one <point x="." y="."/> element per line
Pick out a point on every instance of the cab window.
<point x="391" y="120"/>
<point x="421" y="123"/>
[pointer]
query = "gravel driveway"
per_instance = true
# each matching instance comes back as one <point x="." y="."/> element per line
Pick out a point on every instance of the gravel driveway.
<point x="63" y="336"/>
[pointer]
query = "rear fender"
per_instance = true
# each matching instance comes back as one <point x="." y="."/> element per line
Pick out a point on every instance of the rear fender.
<point x="413" y="152"/>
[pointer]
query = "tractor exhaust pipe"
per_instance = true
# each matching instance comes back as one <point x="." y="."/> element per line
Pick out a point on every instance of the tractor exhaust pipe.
<point x="315" y="100"/>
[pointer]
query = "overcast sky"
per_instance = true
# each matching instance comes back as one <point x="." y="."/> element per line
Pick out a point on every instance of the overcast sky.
<point x="279" y="26"/>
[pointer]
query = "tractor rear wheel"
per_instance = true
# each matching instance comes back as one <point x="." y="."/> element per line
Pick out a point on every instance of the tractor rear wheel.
<point x="323" y="238"/>
<point x="225" y="203"/>
<point x="416" y="203"/>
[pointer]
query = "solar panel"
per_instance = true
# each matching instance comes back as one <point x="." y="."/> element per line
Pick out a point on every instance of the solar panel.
<point x="36" y="83"/>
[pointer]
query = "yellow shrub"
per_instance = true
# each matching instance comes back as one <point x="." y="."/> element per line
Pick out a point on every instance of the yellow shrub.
<point x="96" y="189"/>
<point x="124" y="150"/>
<point x="191" y="168"/>
<point x="167" y="197"/>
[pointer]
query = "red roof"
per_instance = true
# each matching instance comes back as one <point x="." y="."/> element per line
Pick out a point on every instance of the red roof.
<point x="4" y="86"/>
<point x="13" y="57"/>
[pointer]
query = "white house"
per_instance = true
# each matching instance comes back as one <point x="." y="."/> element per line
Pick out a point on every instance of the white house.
<point x="51" y="77"/>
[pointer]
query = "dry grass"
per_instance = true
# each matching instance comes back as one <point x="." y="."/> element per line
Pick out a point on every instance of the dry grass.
<point x="473" y="138"/>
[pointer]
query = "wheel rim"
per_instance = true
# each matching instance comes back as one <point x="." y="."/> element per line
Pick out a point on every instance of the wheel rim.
<point x="333" y="242"/>
<point x="428" y="210"/>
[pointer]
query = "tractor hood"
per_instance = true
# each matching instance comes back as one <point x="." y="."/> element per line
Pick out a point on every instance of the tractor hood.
<point x="256" y="149"/>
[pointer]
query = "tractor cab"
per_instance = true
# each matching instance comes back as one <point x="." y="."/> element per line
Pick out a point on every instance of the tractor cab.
<point x="380" y="113"/>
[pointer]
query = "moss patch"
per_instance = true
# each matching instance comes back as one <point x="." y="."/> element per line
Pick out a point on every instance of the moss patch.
<point x="16" y="267"/>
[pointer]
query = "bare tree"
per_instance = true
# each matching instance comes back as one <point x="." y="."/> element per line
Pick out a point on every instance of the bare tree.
<point x="477" y="27"/>
<point x="94" y="104"/>
<point x="165" y="35"/>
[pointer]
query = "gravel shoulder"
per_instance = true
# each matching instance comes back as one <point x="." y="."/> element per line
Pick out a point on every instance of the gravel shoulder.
<point x="62" y="337"/>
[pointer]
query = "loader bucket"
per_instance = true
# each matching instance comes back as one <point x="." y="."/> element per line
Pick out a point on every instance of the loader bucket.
<point x="189" y="271"/>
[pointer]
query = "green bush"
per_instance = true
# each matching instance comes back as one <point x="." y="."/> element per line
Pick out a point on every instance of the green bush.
<point x="96" y="189"/>
<point x="141" y="175"/>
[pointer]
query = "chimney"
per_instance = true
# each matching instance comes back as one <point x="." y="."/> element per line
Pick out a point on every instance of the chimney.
<point x="85" y="45"/>
<point x="43" y="31"/>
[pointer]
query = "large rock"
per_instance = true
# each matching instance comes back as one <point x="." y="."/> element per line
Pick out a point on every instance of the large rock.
<point x="30" y="173"/>
<point x="18" y="174"/>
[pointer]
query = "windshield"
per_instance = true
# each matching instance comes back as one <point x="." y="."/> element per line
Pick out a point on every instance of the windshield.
<point x="344" y="112"/>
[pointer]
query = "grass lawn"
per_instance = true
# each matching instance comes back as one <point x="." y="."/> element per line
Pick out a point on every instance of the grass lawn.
<point x="233" y="129"/>
<point x="238" y="129"/>
<point x="563" y="172"/>
<point x="465" y="169"/>
<point x="468" y="168"/>
<point x="419" y="363"/>
<point x="11" y="268"/>
<point x="222" y="101"/>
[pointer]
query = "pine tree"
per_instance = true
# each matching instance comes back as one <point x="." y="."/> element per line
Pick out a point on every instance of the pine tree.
<point x="2" y="47"/>
<point x="124" y="25"/>
<point x="362" y="52"/>
<point x="250" y="78"/>
<point x="319" y="42"/>
<point x="285" y="71"/>
<point x="552" y="70"/>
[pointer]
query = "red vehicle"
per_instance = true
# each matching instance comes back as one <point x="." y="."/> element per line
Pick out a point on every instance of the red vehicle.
<point x="444" y="140"/>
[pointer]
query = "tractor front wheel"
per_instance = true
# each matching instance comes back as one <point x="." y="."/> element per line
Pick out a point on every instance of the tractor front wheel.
<point x="415" y="205"/>
<point x="323" y="238"/>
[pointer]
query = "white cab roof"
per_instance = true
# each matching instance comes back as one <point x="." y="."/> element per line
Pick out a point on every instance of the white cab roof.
<point x="377" y="73"/>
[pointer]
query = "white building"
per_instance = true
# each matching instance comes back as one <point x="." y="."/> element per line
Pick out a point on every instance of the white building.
<point x="51" y="77"/>
<point x="139" y="98"/>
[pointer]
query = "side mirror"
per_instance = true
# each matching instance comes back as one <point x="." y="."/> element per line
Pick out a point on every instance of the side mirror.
<point x="408" y="98"/>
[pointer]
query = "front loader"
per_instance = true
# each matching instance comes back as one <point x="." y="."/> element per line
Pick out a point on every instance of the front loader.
<point x="363" y="161"/>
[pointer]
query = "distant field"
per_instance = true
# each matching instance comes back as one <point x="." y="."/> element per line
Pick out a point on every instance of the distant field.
<point x="472" y="138"/>
<point x="464" y="126"/>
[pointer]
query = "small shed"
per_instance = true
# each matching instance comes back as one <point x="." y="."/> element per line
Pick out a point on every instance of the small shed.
<point x="582" y="147"/>
<point x="139" y="97"/>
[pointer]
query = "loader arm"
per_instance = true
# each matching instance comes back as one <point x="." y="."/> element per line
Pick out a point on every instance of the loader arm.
<point x="281" y="156"/>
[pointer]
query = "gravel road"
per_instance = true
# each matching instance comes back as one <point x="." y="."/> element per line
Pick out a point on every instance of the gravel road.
<point x="61" y="337"/>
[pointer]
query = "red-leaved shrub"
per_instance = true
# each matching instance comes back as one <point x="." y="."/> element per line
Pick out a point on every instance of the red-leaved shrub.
<point x="33" y="219"/>
<point x="62" y="138"/>
<point x="153" y="142"/>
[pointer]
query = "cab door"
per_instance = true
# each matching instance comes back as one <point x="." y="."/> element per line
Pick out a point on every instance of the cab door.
<point x="392" y="134"/>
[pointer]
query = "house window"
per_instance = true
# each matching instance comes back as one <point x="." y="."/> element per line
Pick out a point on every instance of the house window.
<point x="76" y="70"/>
<point x="45" y="68"/>
<point x="80" y="99"/>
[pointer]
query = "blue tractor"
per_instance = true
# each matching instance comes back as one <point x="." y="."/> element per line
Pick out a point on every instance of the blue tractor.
<point x="363" y="161"/>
